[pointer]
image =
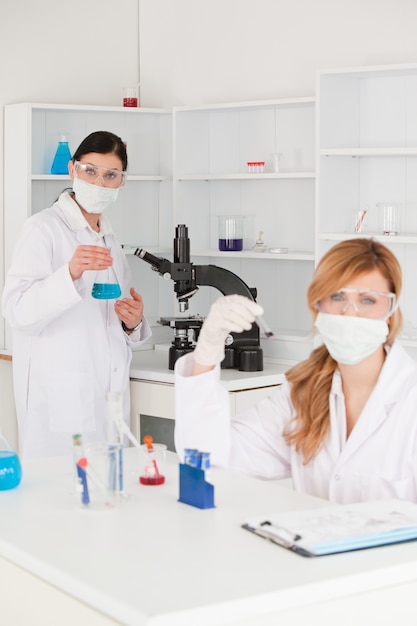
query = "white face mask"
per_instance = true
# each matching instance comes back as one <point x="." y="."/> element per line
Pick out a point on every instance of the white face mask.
<point x="94" y="198"/>
<point x="350" y="339"/>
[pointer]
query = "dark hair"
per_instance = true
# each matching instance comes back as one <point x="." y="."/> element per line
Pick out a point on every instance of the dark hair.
<point x="102" y="142"/>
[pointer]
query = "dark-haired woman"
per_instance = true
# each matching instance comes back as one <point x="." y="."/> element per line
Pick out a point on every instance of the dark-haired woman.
<point x="70" y="349"/>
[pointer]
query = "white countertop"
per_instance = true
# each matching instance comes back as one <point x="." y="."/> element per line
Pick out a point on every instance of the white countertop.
<point x="158" y="562"/>
<point x="152" y="365"/>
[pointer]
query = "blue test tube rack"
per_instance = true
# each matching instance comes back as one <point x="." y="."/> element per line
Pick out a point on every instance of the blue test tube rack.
<point x="194" y="489"/>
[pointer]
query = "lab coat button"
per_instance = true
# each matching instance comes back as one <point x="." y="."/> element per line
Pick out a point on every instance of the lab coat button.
<point x="337" y="477"/>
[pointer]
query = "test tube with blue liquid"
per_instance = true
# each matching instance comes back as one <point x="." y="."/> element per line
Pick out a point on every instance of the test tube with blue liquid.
<point x="196" y="458"/>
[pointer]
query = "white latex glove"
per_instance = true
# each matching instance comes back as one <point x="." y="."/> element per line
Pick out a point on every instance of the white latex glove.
<point x="228" y="314"/>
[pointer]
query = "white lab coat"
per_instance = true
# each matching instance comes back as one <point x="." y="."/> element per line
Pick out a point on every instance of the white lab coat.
<point x="69" y="349"/>
<point x="377" y="461"/>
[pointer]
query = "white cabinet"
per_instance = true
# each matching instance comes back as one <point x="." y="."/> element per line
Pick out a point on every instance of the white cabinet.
<point x="367" y="155"/>
<point x="142" y="215"/>
<point x="212" y="145"/>
<point x="153" y="408"/>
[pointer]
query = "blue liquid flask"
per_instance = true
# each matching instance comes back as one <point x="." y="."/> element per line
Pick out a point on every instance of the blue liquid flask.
<point x="62" y="156"/>
<point x="10" y="468"/>
<point x="106" y="286"/>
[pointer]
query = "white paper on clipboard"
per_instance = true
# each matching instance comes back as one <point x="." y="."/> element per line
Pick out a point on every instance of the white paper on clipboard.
<point x="339" y="528"/>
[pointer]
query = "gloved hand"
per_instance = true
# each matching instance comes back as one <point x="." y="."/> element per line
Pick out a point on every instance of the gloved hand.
<point x="228" y="314"/>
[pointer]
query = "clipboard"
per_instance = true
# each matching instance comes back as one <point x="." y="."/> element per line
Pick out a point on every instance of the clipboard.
<point x="339" y="528"/>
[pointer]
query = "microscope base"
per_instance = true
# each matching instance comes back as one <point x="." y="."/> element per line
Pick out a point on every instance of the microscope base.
<point x="244" y="359"/>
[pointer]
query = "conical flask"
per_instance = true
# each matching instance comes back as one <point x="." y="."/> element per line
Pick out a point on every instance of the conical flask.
<point x="10" y="468"/>
<point x="106" y="285"/>
<point x="62" y="156"/>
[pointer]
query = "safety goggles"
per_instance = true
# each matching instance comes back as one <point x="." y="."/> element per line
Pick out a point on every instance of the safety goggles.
<point x="91" y="173"/>
<point x="366" y="303"/>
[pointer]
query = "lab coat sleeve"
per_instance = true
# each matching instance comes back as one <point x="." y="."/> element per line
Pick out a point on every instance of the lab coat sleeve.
<point x="138" y="337"/>
<point x="202" y="417"/>
<point x="251" y="442"/>
<point x="35" y="292"/>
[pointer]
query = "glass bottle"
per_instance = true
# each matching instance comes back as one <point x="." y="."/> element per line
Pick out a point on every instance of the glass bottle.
<point x="62" y="156"/>
<point x="260" y="245"/>
<point x="106" y="285"/>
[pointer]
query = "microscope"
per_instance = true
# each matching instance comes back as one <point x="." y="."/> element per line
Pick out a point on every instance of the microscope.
<point x="242" y="350"/>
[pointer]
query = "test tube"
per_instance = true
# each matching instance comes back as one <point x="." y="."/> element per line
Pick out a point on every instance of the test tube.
<point x="264" y="326"/>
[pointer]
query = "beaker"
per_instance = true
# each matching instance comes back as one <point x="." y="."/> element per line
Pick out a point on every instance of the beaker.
<point x="130" y="96"/>
<point x="106" y="286"/>
<point x="230" y="233"/>
<point x="10" y="468"/>
<point x="99" y="475"/>
<point x="389" y="217"/>
<point x="152" y="461"/>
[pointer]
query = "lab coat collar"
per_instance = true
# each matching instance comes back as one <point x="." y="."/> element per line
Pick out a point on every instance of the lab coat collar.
<point x="397" y="370"/>
<point x="390" y="377"/>
<point x="76" y="219"/>
<point x="393" y="380"/>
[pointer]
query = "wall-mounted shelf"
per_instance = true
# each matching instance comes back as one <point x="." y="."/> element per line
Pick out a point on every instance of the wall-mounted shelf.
<point x="131" y="177"/>
<point x="251" y="177"/>
<point x="369" y="152"/>
<point x="260" y="256"/>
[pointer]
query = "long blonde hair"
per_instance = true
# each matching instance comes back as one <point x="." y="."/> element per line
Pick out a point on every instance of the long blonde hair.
<point x="311" y="380"/>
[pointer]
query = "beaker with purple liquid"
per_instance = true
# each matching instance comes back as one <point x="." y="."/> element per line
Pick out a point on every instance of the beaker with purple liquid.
<point x="230" y="233"/>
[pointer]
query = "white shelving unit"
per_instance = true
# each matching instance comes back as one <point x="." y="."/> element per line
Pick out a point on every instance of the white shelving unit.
<point x="189" y="165"/>
<point x="142" y="215"/>
<point x="212" y="145"/>
<point x="366" y="155"/>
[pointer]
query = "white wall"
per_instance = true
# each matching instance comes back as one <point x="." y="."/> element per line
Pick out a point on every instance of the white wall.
<point x="204" y="51"/>
<point x="191" y="51"/>
<point x="76" y="52"/>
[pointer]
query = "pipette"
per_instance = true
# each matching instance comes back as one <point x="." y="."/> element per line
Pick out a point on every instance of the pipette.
<point x="264" y="326"/>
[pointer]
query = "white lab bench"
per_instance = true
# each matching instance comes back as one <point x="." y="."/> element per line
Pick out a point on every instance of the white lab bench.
<point x="158" y="562"/>
<point x="152" y="391"/>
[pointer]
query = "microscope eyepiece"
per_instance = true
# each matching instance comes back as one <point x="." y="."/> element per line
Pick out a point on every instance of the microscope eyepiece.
<point x="181" y="231"/>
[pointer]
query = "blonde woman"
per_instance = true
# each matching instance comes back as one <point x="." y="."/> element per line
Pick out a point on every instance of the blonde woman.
<point x="343" y="425"/>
